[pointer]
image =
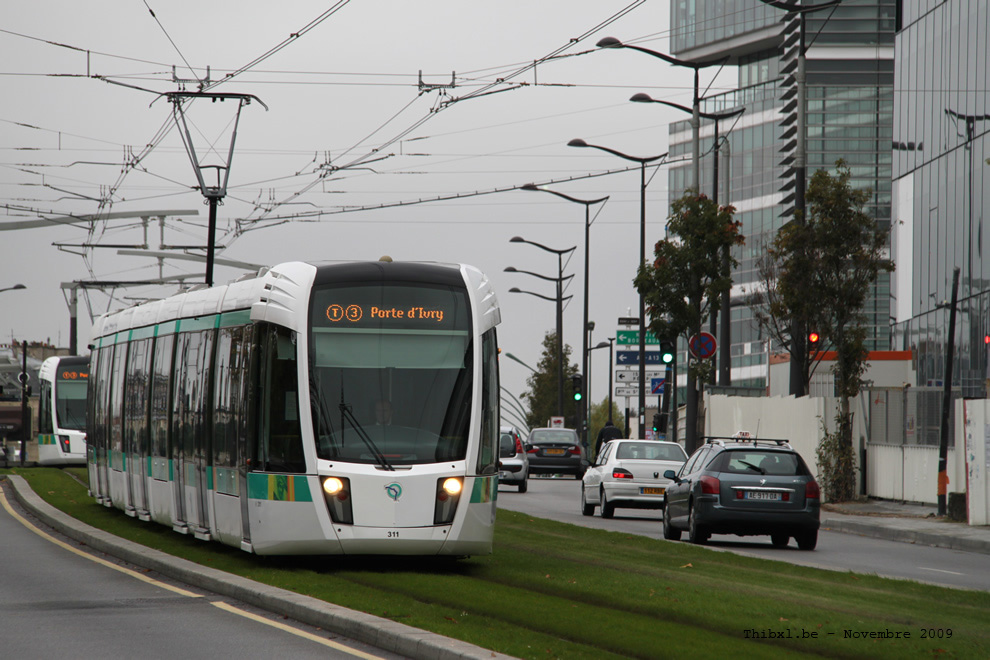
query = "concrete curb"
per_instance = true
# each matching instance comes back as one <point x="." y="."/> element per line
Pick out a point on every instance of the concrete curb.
<point x="381" y="633"/>
<point x="905" y="530"/>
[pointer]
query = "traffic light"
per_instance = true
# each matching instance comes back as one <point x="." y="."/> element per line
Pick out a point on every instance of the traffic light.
<point x="666" y="351"/>
<point x="656" y="422"/>
<point x="577" y="382"/>
<point x="813" y="340"/>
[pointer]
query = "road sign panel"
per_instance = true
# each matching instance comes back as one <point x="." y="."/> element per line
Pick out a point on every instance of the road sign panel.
<point x="702" y="345"/>
<point x="656" y="385"/>
<point x="626" y="391"/>
<point x="632" y="357"/>
<point x="632" y="375"/>
<point x="628" y="320"/>
<point x="628" y="337"/>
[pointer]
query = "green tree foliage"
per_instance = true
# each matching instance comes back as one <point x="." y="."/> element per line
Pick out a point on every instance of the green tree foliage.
<point x="541" y="399"/>
<point x="683" y="285"/>
<point x="822" y="271"/>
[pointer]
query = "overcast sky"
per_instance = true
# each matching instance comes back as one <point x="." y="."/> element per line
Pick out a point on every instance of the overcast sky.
<point x="84" y="130"/>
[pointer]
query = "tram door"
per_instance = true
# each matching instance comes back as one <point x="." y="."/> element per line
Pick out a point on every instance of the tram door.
<point x="191" y="449"/>
<point x="98" y="432"/>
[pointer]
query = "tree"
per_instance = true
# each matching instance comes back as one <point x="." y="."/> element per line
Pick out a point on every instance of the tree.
<point x="821" y="272"/>
<point x="684" y="284"/>
<point x="541" y="399"/>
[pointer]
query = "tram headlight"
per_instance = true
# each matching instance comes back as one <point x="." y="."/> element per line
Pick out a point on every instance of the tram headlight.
<point x="63" y="441"/>
<point x="448" y="495"/>
<point x="337" y="495"/>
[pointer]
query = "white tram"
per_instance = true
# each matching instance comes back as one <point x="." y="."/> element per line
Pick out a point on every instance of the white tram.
<point x="62" y="410"/>
<point x="349" y="408"/>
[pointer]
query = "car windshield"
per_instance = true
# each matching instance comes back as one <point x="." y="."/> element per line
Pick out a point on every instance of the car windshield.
<point x="650" y="452"/>
<point x="762" y="462"/>
<point x="552" y="435"/>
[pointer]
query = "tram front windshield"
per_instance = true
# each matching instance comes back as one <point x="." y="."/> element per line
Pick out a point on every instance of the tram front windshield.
<point x="390" y="373"/>
<point x="70" y="403"/>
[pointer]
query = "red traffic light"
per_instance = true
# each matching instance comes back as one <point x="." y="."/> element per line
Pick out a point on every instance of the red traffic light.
<point x="813" y="339"/>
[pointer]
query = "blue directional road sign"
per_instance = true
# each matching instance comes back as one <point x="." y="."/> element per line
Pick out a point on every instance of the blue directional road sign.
<point x="632" y="357"/>
<point x="656" y="385"/>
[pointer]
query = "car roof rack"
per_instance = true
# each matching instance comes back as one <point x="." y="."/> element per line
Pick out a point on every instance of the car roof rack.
<point x="744" y="440"/>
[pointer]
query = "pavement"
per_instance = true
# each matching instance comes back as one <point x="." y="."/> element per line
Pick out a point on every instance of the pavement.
<point x="884" y="519"/>
<point x="909" y="522"/>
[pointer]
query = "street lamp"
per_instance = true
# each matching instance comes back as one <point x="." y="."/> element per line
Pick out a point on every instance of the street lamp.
<point x="584" y="335"/>
<point x="608" y="345"/>
<point x="725" y="328"/>
<point x="612" y="42"/>
<point x="560" y="307"/>
<point x="13" y="288"/>
<point x="577" y="142"/>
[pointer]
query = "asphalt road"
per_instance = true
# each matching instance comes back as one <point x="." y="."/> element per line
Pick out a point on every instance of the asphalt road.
<point x="559" y="499"/>
<point x="57" y="600"/>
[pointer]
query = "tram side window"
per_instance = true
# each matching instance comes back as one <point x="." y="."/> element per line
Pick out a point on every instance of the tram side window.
<point x="136" y="398"/>
<point x="279" y="432"/>
<point x="489" y="403"/>
<point x="117" y="403"/>
<point x="192" y="377"/>
<point x="45" y="408"/>
<point x="97" y="433"/>
<point x="160" y="408"/>
<point x="231" y="393"/>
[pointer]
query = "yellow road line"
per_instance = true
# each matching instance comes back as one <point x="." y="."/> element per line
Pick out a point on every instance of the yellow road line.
<point x="103" y="562"/>
<point x="183" y="592"/>
<point x="294" y="631"/>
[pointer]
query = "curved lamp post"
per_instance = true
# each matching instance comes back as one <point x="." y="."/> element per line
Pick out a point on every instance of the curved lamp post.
<point x="13" y="288"/>
<point x="584" y="337"/>
<point x="560" y="306"/>
<point x="612" y="42"/>
<point x="577" y="142"/>
<point x="725" y="327"/>
<point x="606" y="344"/>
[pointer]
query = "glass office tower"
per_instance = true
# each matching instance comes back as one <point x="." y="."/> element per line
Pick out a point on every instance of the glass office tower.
<point x="941" y="165"/>
<point x="850" y="80"/>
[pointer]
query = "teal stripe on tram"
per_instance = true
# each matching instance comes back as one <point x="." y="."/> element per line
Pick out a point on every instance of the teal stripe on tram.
<point x="240" y="317"/>
<point x="198" y="323"/>
<point x="167" y="328"/>
<point x="142" y="333"/>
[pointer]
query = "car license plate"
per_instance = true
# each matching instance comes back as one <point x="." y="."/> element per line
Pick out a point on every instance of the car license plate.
<point x="651" y="491"/>
<point x="759" y="495"/>
<point x="503" y="475"/>
<point x="554" y="452"/>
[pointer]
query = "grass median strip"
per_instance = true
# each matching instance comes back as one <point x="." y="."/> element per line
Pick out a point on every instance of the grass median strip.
<point x="557" y="590"/>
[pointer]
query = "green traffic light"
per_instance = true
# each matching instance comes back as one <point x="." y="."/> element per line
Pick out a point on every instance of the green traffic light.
<point x="577" y="396"/>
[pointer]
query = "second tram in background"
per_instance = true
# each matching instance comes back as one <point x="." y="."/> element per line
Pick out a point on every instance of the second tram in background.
<point x="349" y="408"/>
<point x="62" y="411"/>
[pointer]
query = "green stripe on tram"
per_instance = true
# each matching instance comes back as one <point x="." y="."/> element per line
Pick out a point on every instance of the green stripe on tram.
<point x="279" y="487"/>
<point x="142" y="333"/>
<point x="240" y="317"/>
<point x="484" y="490"/>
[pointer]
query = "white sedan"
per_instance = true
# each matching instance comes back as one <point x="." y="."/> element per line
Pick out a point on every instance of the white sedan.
<point x="629" y="474"/>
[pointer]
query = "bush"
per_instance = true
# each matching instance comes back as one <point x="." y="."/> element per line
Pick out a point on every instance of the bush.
<point x="836" y="464"/>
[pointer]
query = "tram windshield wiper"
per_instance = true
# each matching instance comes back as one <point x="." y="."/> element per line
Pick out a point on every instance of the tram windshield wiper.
<point x="345" y="413"/>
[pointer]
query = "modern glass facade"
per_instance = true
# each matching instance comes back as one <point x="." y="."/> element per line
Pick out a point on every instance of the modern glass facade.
<point x="850" y="81"/>
<point x="941" y="168"/>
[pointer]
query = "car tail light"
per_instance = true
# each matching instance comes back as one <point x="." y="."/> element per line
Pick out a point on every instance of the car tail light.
<point x="519" y="448"/>
<point x="448" y="494"/>
<point x="337" y="494"/>
<point x="619" y="473"/>
<point x="574" y="450"/>
<point x="709" y="485"/>
<point x="811" y="491"/>
<point x="532" y="449"/>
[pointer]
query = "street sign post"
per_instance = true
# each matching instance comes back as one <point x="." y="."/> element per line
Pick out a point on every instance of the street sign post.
<point x="656" y="385"/>
<point x="632" y="358"/>
<point x="626" y="391"/>
<point x="632" y="376"/>
<point x="631" y="337"/>
<point x="628" y="320"/>
<point x="702" y="345"/>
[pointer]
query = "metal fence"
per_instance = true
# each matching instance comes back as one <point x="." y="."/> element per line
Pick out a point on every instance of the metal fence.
<point x="907" y="416"/>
